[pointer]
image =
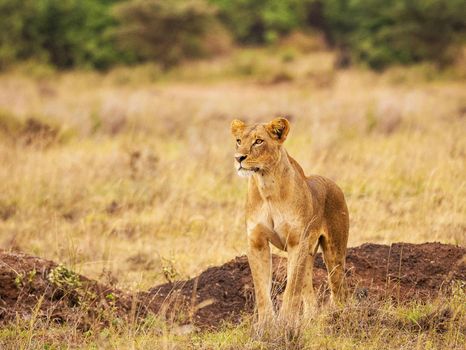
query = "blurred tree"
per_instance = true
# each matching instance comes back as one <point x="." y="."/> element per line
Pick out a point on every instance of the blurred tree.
<point x="165" y="31"/>
<point x="70" y="33"/>
<point x="18" y="38"/>
<point x="384" y="32"/>
<point x="261" y="21"/>
<point x="73" y="33"/>
<point x="66" y="33"/>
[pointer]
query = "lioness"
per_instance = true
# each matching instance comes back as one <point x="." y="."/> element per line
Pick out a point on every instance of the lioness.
<point x="293" y="212"/>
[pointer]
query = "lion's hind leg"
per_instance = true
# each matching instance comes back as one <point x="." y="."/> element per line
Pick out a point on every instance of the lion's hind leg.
<point x="309" y="297"/>
<point x="333" y="245"/>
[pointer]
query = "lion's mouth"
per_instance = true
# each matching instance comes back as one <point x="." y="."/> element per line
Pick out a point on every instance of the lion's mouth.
<point x="248" y="169"/>
<point x="242" y="169"/>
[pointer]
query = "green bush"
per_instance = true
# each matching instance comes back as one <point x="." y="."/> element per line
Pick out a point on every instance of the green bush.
<point x="385" y="32"/>
<point x="261" y="21"/>
<point x="65" y="33"/>
<point x="164" y="31"/>
<point x="88" y="33"/>
<point x="15" y="25"/>
<point x="75" y="33"/>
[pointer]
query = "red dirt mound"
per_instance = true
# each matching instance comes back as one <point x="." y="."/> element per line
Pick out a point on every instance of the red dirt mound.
<point x="400" y="271"/>
<point x="34" y="287"/>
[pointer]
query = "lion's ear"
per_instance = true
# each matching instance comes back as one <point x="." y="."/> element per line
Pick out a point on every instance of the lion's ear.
<point x="237" y="126"/>
<point x="278" y="128"/>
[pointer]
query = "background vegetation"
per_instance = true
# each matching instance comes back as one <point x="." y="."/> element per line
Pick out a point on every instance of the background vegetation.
<point x="115" y="159"/>
<point x="99" y="34"/>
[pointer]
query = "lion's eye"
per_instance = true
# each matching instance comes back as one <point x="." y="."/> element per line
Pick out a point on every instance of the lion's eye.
<point x="238" y="141"/>
<point x="258" y="141"/>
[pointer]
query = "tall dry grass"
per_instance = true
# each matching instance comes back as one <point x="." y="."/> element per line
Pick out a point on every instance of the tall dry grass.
<point x="138" y="175"/>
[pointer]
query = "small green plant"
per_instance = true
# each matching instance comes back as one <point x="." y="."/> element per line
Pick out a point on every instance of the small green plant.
<point x="19" y="280"/>
<point x="64" y="278"/>
<point x="25" y="279"/>
<point x="168" y="270"/>
<point x="111" y="297"/>
<point x="414" y="314"/>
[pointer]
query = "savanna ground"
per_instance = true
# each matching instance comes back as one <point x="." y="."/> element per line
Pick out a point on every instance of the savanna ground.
<point x="127" y="178"/>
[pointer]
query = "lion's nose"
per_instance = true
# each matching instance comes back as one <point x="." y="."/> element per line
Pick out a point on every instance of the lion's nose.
<point x="240" y="158"/>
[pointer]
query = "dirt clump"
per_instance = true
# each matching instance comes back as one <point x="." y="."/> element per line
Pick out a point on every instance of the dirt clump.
<point x="34" y="287"/>
<point x="401" y="272"/>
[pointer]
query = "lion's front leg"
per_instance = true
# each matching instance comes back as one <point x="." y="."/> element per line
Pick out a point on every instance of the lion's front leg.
<point x="299" y="290"/>
<point x="260" y="262"/>
<point x="296" y="272"/>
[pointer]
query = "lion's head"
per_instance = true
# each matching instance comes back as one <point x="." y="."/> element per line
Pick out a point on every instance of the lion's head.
<point x="258" y="146"/>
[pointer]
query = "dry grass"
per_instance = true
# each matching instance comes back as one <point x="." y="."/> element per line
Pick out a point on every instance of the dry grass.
<point x="141" y="175"/>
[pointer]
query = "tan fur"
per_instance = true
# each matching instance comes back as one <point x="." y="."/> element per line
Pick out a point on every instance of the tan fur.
<point x="294" y="213"/>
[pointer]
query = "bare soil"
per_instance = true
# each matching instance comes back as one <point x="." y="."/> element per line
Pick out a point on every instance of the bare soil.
<point x="401" y="272"/>
<point x="27" y="292"/>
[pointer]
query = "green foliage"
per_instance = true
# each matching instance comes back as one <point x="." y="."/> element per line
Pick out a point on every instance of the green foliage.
<point x="25" y="279"/>
<point x="65" y="33"/>
<point x="383" y="32"/>
<point x="64" y="278"/>
<point x="111" y="297"/>
<point x="165" y="31"/>
<point x="260" y="21"/>
<point x="99" y="34"/>
<point x="74" y="33"/>
<point x="15" y="27"/>
<point x="169" y="271"/>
